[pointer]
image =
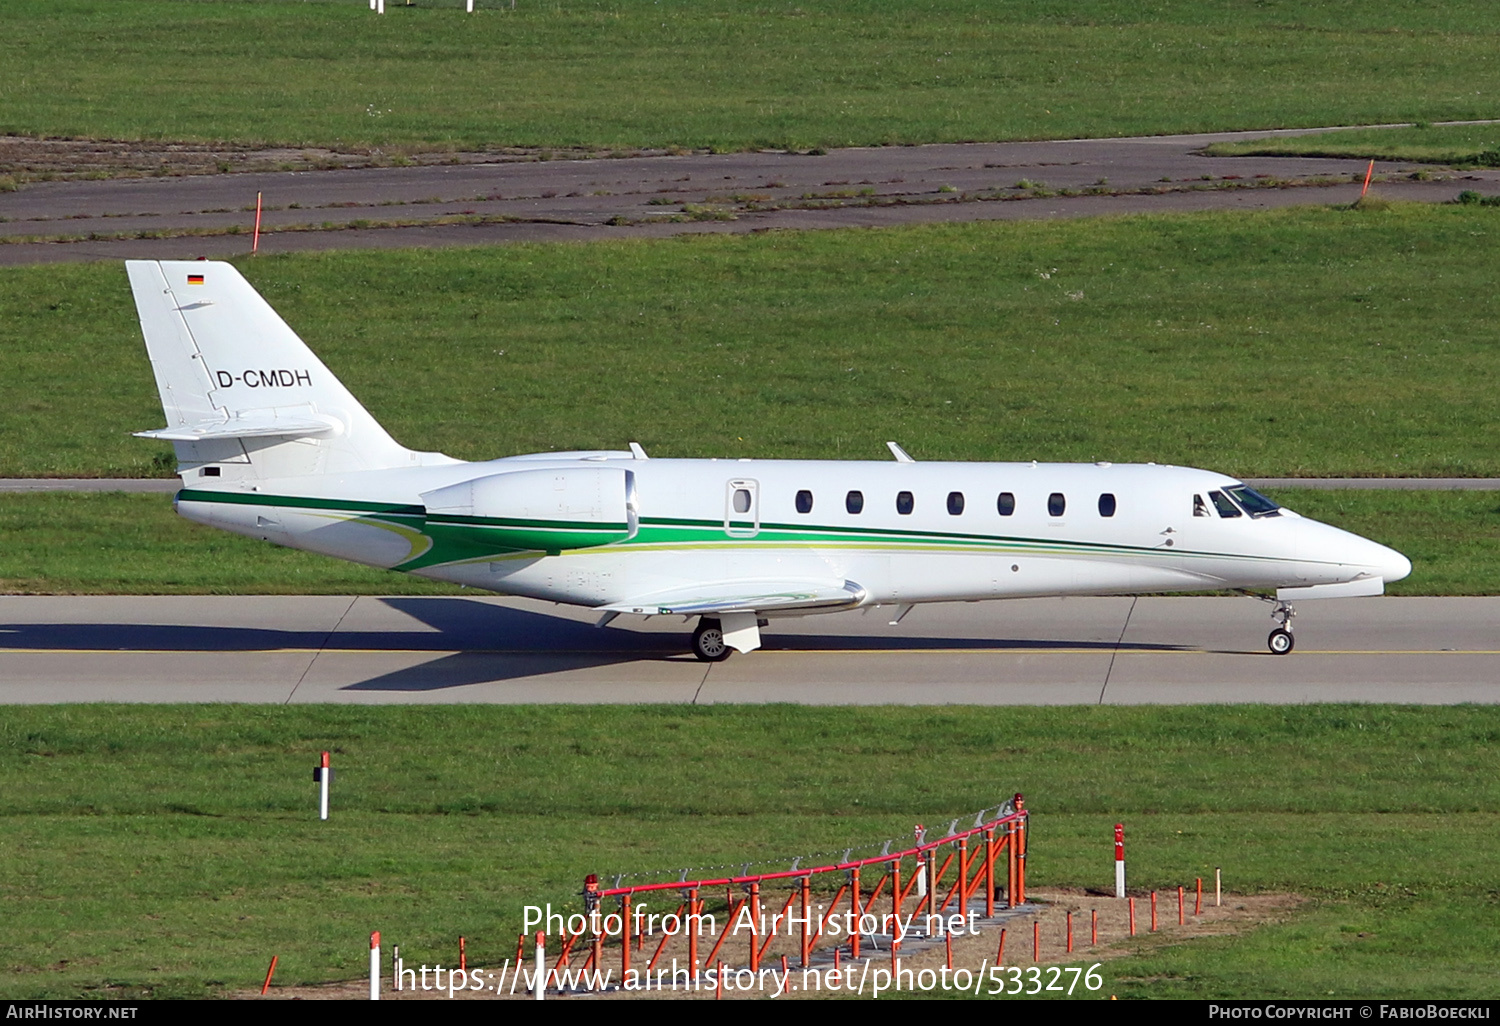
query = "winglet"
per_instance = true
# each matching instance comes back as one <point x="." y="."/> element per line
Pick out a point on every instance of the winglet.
<point x="900" y="453"/>
<point x="637" y="452"/>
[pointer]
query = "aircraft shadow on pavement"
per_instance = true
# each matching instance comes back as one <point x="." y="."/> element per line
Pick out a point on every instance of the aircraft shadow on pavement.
<point x="550" y="645"/>
<point x="485" y="642"/>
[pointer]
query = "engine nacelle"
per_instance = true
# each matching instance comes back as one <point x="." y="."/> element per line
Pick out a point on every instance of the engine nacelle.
<point x="539" y="510"/>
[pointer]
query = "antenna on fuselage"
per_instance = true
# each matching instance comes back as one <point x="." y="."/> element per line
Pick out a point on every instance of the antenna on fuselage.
<point x="901" y="454"/>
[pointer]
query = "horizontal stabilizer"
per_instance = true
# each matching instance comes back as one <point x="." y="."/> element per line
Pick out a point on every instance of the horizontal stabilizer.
<point x="746" y="597"/>
<point x="253" y="424"/>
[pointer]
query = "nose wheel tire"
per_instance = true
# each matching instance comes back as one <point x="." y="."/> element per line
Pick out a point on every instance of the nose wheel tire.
<point x="708" y="641"/>
<point x="1280" y="641"/>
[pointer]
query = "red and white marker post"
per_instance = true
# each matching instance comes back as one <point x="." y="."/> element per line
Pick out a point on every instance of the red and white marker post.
<point x="539" y="981"/>
<point x="322" y="774"/>
<point x="1119" y="860"/>
<point x="374" y="964"/>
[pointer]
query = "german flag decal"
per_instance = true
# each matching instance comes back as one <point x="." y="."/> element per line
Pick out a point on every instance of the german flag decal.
<point x="195" y="279"/>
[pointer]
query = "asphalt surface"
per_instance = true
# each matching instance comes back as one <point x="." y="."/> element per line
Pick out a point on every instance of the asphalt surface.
<point x="662" y="195"/>
<point x="486" y="649"/>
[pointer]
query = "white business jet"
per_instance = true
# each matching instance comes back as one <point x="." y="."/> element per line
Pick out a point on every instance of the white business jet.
<point x="271" y="445"/>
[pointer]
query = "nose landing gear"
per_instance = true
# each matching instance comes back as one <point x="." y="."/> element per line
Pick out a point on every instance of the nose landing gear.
<point x="1280" y="640"/>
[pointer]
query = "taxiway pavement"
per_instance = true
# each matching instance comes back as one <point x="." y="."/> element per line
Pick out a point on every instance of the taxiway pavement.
<point x="511" y="200"/>
<point x="487" y="649"/>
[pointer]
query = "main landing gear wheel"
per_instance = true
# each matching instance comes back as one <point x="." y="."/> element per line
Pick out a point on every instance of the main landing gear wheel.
<point x="708" y="641"/>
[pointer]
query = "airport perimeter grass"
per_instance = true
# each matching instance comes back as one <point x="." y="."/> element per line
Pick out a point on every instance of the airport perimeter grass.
<point x="169" y="850"/>
<point x="1315" y="341"/>
<point x="1462" y="145"/>
<point x="103" y="544"/>
<point x="717" y="73"/>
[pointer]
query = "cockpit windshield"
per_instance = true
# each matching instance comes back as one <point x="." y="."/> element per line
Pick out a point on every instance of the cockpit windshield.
<point x="1254" y="503"/>
<point x="1221" y="502"/>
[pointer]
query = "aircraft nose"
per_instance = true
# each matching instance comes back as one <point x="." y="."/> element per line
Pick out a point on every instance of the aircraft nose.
<point x="1393" y="565"/>
<point x="1332" y="545"/>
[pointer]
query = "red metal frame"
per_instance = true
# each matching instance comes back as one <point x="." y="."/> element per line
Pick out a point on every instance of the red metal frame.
<point x="976" y="869"/>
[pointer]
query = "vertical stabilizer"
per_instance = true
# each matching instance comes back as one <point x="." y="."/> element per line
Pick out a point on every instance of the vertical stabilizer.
<point x="241" y="392"/>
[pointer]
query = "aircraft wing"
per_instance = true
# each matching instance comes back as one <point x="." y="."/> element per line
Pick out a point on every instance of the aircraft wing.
<point x="746" y="597"/>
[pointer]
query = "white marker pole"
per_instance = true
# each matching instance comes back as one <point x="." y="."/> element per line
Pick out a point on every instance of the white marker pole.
<point x="375" y="966"/>
<point x="539" y="981"/>
<point x="1119" y="860"/>
<point x="471" y="6"/>
<point x="323" y="774"/>
<point x="372" y="5"/>
<point x="1218" y="887"/>
<point x="379" y="6"/>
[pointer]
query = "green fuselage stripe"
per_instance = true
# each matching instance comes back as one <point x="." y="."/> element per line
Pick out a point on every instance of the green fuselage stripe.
<point x="461" y="539"/>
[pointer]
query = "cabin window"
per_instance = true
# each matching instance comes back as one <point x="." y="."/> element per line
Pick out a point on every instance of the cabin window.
<point x="1223" y="504"/>
<point x="854" y="502"/>
<point x="1200" y="508"/>
<point x="1056" y="504"/>
<point x="955" y="503"/>
<point x="804" y="501"/>
<point x="1006" y="504"/>
<point x="742" y="500"/>
<point x="905" y="503"/>
<point x="1107" y="504"/>
<point x="209" y="472"/>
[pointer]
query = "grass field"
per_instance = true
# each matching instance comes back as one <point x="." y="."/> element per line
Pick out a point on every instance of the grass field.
<point x="717" y="73"/>
<point x="1461" y="145"/>
<point x="204" y="854"/>
<point x="1321" y="342"/>
<point x="88" y="544"/>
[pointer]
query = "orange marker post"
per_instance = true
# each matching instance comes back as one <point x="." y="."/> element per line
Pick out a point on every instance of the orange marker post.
<point x="1036" y="940"/>
<point x="463" y="961"/>
<point x="1153" y="911"/>
<point x="1119" y="860"/>
<point x="1093" y="927"/>
<point x="1070" y="932"/>
<point x="323" y="775"/>
<point x="1198" y="901"/>
<point x="1000" y="955"/>
<point x="539" y="974"/>
<point x="375" y="966"/>
<point x="1181" y="919"/>
<point x="269" y="972"/>
<point x="1368" y="173"/>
